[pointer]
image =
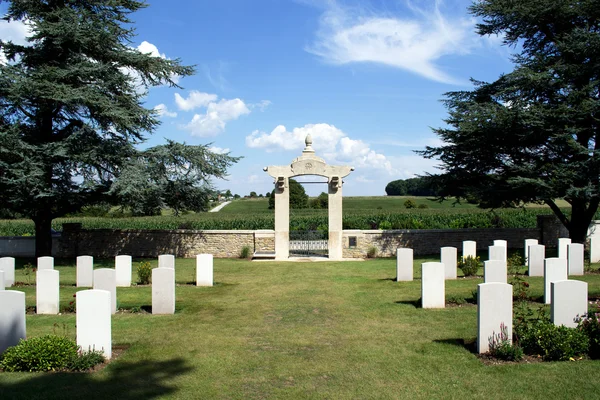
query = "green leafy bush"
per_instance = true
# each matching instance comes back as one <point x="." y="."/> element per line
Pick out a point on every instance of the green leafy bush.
<point x="469" y="265"/>
<point x="46" y="353"/>
<point x="86" y="360"/>
<point x="144" y="272"/>
<point x="410" y="204"/>
<point x="539" y="336"/>
<point x="245" y="252"/>
<point x="514" y="263"/>
<point x="502" y="348"/>
<point x="372" y="252"/>
<point x="590" y="325"/>
<point x="455" y="299"/>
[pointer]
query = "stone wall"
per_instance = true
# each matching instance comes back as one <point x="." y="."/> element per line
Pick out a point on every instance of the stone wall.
<point x="103" y="243"/>
<point x="23" y="246"/>
<point x="429" y="241"/>
<point x="106" y="243"/>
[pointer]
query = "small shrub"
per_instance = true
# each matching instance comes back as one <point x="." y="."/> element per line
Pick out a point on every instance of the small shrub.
<point x="372" y="252"/>
<point x="144" y="272"/>
<point x="514" y="264"/>
<point x="539" y="336"/>
<point x="410" y="204"/>
<point x="455" y="299"/>
<point x="29" y="271"/>
<point x="84" y="361"/>
<point x="590" y="325"/>
<point x="469" y="265"/>
<point x="520" y="288"/>
<point x="46" y="353"/>
<point x="423" y="206"/>
<point x="385" y="225"/>
<point x="245" y="252"/>
<point x="502" y="348"/>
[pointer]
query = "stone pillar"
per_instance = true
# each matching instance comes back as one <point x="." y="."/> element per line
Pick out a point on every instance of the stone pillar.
<point x="282" y="218"/>
<point x="335" y="218"/>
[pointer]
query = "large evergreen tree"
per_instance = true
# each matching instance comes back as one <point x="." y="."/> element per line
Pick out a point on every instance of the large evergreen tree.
<point x="72" y="113"/>
<point x="533" y="135"/>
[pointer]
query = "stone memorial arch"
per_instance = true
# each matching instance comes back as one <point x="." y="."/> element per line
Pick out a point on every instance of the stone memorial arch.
<point x="308" y="164"/>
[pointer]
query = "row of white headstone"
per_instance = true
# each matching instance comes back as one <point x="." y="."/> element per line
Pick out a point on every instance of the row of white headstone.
<point x="93" y="307"/>
<point x="568" y="303"/>
<point x="567" y="298"/>
<point x="93" y="320"/>
<point x="572" y="253"/>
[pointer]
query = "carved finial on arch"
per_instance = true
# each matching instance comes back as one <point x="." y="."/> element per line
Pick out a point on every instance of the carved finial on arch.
<point x="308" y="141"/>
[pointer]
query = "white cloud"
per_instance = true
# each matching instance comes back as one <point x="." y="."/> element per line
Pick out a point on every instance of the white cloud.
<point x="261" y="105"/>
<point x="218" y="150"/>
<point x="194" y="100"/>
<point x="163" y="111"/>
<point x="413" y="43"/>
<point x="149" y="48"/>
<point x="325" y="137"/>
<point x="14" y="31"/>
<point x="329" y="141"/>
<point x="146" y="48"/>
<point x="216" y="117"/>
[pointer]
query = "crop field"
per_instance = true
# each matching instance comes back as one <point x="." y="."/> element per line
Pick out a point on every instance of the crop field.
<point x="358" y="213"/>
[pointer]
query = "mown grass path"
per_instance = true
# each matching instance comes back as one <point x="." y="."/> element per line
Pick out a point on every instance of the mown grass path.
<point x="297" y="330"/>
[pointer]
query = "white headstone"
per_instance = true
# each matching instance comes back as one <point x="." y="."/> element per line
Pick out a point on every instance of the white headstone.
<point x="449" y="259"/>
<point x="7" y="264"/>
<point x="433" y="285"/>
<point x="497" y="253"/>
<point x="47" y="291"/>
<point x="163" y="291"/>
<point x="106" y="279"/>
<point x="404" y="264"/>
<point x="528" y="242"/>
<point x="2" y="284"/>
<point x="93" y="321"/>
<point x="85" y="271"/>
<point x="494" y="271"/>
<point x="575" y="258"/>
<point x="204" y="270"/>
<point x="501" y="242"/>
<point x="594" y="249"/>
<point x="45" y="263"/>
<point x="569" y="301"/>
<point x="469" y="248"/>
<point x="166" y="261"/>
<point x="12" y="318"/>
<point x="494" y="309"/>
<point x="123" y="270"/>
<point x="555" y="269"/>
<point x="535" y="262"/>
<point x="562" y="247"/>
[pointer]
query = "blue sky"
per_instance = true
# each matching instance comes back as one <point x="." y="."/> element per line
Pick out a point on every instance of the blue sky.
<point x="365" y="78"/>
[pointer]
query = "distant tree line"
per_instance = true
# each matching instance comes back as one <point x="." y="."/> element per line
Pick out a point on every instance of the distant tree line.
<point x="421" y="186"/>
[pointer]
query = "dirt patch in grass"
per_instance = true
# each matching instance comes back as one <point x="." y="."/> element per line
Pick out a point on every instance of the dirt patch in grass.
<point x="489" y="360"/>
<point x="117" y="351"/>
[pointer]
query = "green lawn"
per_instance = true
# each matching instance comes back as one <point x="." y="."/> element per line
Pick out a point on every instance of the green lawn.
<point x="297" y="330"/>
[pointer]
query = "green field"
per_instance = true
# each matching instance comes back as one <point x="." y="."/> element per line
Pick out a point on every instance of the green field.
<point x="297" y="330"/>
<point x="358" y="213"/>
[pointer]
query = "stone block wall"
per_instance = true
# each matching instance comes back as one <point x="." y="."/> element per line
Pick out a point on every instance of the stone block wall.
<point x="429" y="241"/>
<point x="106" y="243"/>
